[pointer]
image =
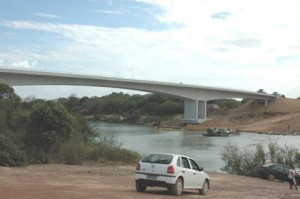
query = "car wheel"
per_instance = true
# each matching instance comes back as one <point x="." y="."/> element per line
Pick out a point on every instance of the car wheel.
<point x="177" y="187"/>
<point x="139" y="187"/>
<point x="271" y="177"/>
<point x="169" y="189"/>
<point x="205" y="187"/>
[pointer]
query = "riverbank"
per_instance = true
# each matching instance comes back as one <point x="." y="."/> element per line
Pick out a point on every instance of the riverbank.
<point x="117" y="181"/>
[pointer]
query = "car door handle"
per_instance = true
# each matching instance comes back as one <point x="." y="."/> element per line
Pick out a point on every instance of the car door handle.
<point x="183" y="171"/>
<point x="194" y="174"/>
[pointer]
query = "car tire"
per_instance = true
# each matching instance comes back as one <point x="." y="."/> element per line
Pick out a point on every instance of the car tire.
<point x="139" y="187"/>
<point x="271" y="177"/>
<point x="169" y="190"/>
<point x="177" y="187"/>
<point x="205" y="187"/>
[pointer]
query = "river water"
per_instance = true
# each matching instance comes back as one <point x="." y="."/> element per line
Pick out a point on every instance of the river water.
<point x="205" y="150"/>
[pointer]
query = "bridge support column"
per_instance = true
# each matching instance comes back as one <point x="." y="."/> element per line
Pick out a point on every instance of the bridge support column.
<point x="194" y="111"/>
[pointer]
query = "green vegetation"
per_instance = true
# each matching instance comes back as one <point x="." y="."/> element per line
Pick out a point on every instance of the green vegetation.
<point x="10" y="154"/>
<point x="120" y="107"/>
<point x="245" y="162"/>
<point x="39" y="131"/>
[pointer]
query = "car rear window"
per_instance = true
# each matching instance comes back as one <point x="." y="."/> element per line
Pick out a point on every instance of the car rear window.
<point x="158" y="158"/>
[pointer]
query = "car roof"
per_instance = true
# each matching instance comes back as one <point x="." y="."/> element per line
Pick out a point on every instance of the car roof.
<point x="271" y="164"/>
<point x="168" y="154"/>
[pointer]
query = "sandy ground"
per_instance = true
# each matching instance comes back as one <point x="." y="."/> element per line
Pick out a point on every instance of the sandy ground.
<point x="105" y="181"/>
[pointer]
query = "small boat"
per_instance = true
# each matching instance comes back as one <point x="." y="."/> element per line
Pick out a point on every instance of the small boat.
<point x="221" y="132"/>
<point x="216" y="132"/>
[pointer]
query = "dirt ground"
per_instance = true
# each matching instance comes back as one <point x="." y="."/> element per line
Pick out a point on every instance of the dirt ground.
<point x="55" y="181"/>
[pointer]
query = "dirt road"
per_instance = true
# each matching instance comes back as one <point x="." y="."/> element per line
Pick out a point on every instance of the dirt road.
<point x="104" y="181"/>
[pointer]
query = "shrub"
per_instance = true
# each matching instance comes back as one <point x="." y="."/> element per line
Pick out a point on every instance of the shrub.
<point x="102" y="152"/>
<point x="72" y="152"/>
<point x="246" y="162"/>
<point x="233" y="159"/>
<point x="10" y="154"/>
<point x="108" y="148"/>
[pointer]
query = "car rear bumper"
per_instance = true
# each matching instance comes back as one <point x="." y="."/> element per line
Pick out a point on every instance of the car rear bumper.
<point x="153" y="183"/>
<point x="160" y="180"/>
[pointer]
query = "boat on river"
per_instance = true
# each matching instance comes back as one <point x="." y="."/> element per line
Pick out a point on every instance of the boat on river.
<point x="221" y="132"/>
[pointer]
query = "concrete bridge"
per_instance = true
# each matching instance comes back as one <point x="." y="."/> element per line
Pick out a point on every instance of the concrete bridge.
<point x="195" y="97"/>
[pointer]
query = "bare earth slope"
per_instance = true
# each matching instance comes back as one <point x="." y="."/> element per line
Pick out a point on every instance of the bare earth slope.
<point x="282" y="115"/>
<point x="105" y="181"/>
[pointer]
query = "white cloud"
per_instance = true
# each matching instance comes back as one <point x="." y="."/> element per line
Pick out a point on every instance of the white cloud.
<point x="46" y="15"/>
<point x="114" y="12"/>
<point x="19" y="58"/>
<point x="231" y="43"/>
<point x="24" y="64"/>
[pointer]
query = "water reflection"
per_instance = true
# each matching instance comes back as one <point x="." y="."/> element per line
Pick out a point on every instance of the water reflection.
<point x="206" y="150"/>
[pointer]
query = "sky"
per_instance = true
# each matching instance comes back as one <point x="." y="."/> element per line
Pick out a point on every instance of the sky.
<point x="236" y="44"/>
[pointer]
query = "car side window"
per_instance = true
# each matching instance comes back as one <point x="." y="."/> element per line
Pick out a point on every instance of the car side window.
<point x="275" y="168"/>
<point x="286" y="170"/>
<point x="194" y="165"/>
<point x="279" y="168"/>
<point x="185" y="163"/>
<point x="178" y="162"/>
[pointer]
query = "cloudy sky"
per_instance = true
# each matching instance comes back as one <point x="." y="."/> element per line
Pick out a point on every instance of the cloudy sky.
<point x="238" y="44"/>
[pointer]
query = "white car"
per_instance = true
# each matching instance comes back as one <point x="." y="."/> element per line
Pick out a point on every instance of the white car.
<point x="175" y="172"/>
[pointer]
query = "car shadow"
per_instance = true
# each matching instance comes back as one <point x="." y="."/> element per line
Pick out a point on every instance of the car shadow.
<point x="164" y="192"/>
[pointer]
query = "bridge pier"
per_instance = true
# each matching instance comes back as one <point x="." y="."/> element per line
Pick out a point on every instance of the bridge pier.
<point x="194" y="111"/>
<point x="265" y="101"/>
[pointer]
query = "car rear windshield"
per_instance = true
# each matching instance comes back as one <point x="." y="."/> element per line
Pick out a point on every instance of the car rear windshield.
<point x="158" y="158"/>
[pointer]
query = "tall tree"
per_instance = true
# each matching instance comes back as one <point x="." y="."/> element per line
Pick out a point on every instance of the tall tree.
<point x="9" y="101"/>
<point x="50" y="125"/>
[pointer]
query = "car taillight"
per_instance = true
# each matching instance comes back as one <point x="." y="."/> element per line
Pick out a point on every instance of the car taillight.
<point x="138" y="167"/>
<point x="171" y="170"/>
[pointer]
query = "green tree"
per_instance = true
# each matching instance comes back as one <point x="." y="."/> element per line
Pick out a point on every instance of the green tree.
<point x="82" y="130"/>
<point x="9" y="102"/>
<point x="10" y="154"/>
<point x="50" y="125"/>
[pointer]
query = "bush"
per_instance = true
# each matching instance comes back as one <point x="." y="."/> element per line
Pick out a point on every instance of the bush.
<point x="105" y="148"/>
<point x="102" y="152"/>
<point x="108" y="148"/>
<point x="246" y="162"/>
<point x="72" y="152"/>
<point x="10" y="155"/>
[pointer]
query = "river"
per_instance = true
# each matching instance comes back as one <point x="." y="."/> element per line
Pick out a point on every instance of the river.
<point x="205" y="150"/>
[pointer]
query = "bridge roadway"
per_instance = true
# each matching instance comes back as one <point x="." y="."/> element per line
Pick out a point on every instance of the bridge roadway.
<point x="195" y="97"/>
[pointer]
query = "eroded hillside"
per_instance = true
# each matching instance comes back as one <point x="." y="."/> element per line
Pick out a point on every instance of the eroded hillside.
<point x="279" y="116"/>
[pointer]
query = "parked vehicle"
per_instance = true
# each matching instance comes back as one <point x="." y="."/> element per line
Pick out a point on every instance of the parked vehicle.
<point x="175" y="172"/>
<point x="274" y="171"/>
